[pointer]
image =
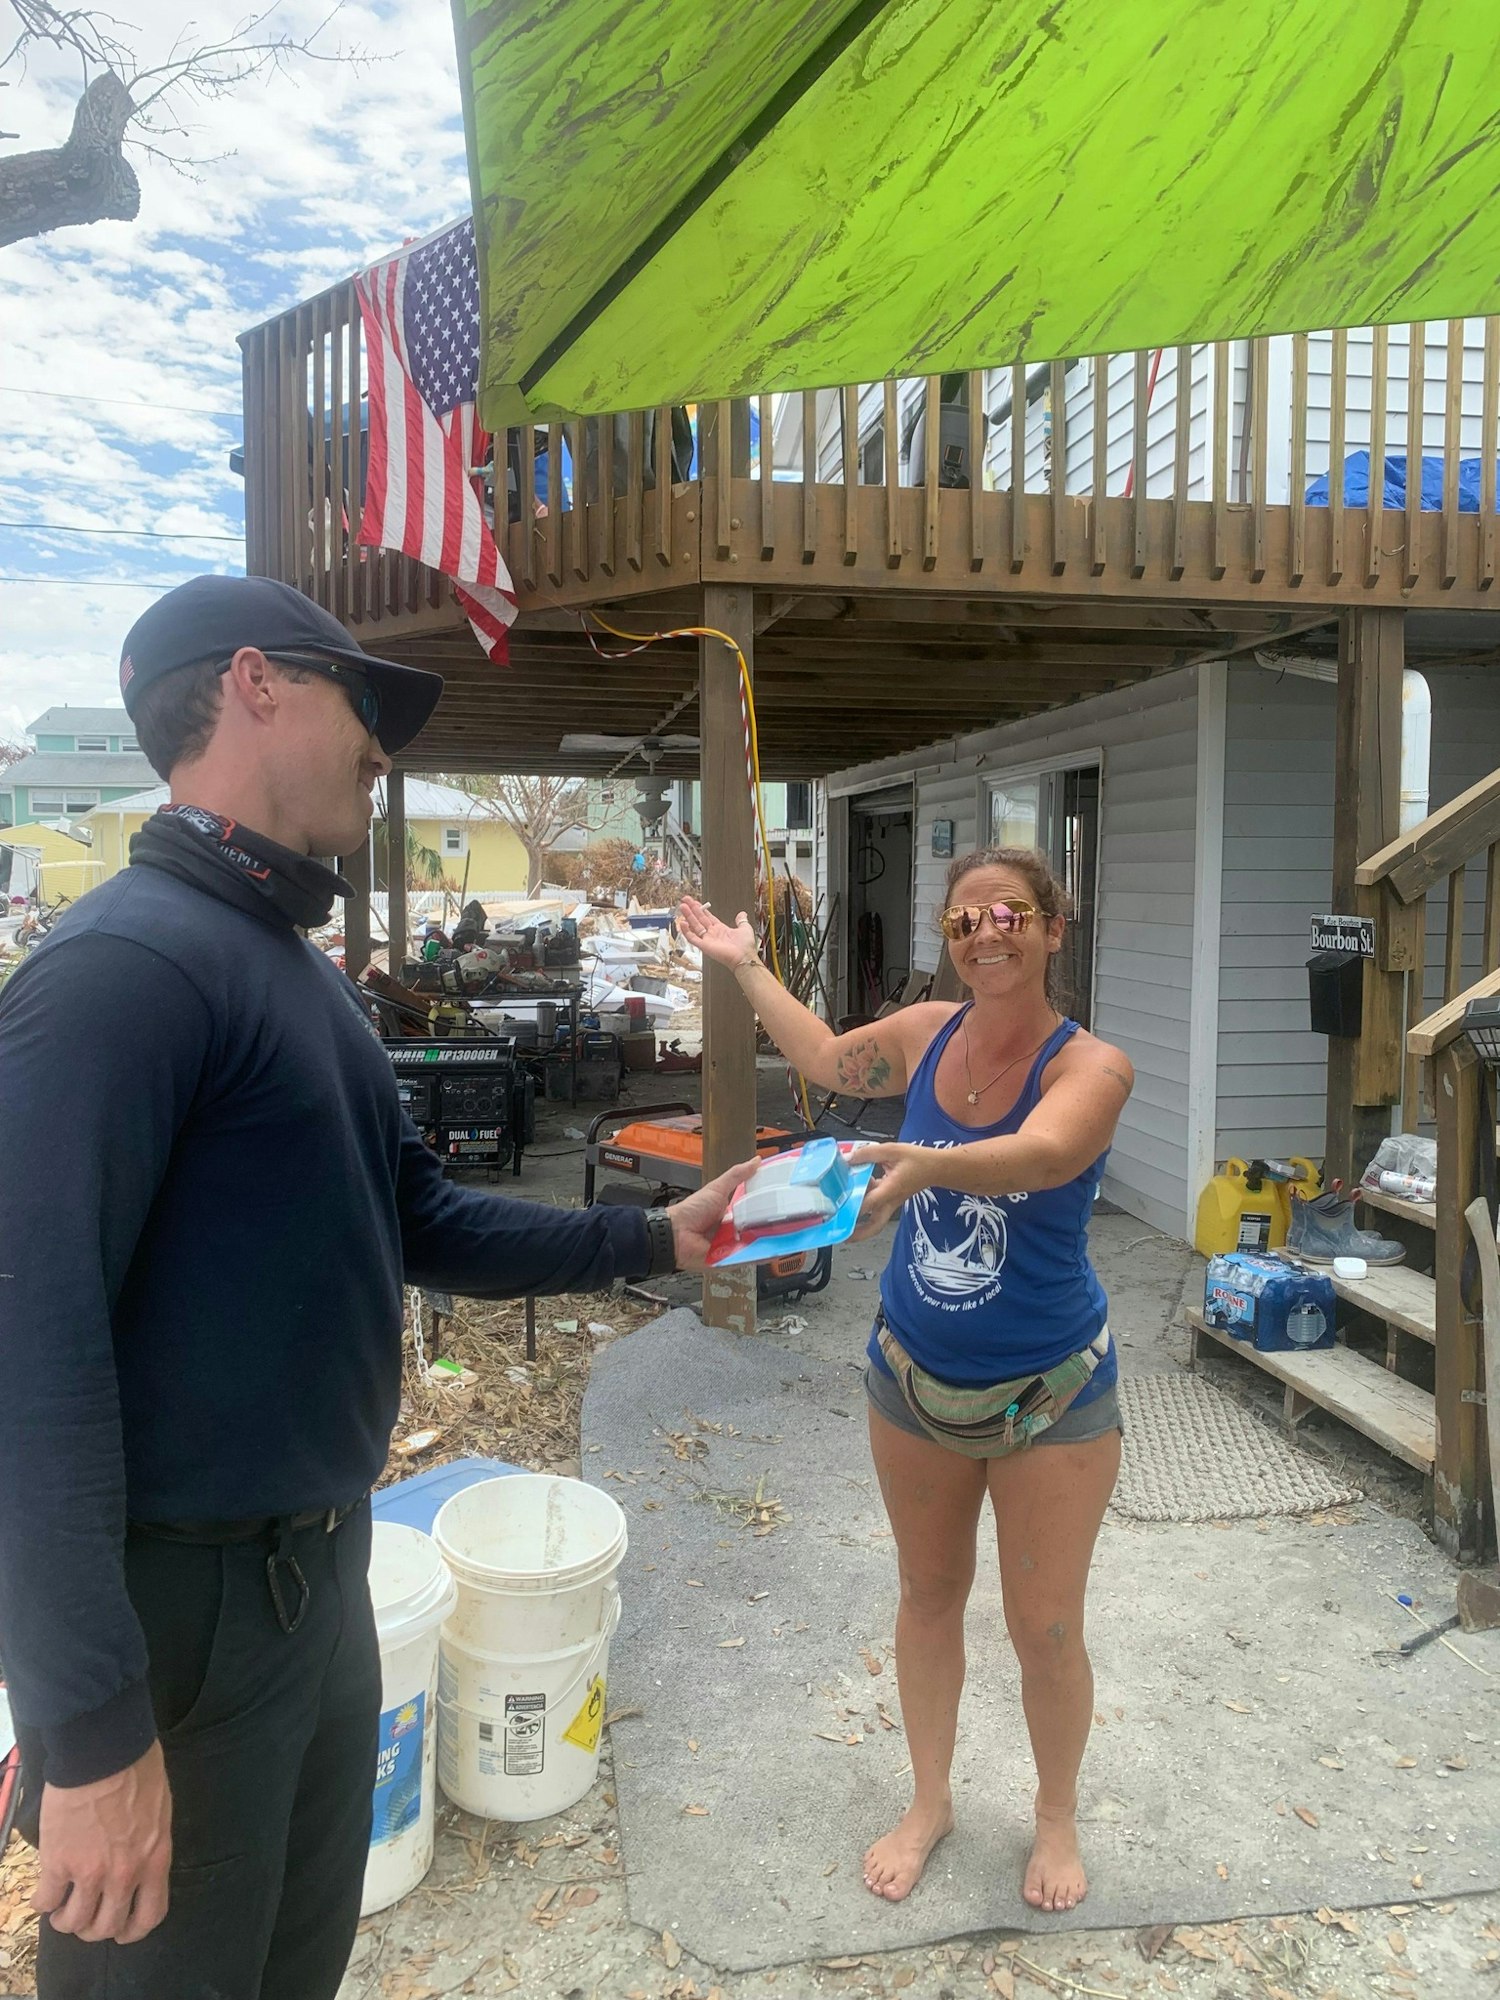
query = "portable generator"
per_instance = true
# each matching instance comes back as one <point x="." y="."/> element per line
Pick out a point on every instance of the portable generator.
<point x="472" y="1102"/>
<point x="663" y="1154"/>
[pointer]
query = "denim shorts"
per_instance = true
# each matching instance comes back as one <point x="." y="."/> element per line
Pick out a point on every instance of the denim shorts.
<point x="1074" y="1426"/>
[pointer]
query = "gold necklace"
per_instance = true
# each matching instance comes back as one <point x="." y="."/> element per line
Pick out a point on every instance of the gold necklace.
<point x="976" y="1094"/>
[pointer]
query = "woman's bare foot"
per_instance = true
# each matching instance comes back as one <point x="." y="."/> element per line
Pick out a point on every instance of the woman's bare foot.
<point x="893" y="1866"/>
<point x="1054" y="1875"/>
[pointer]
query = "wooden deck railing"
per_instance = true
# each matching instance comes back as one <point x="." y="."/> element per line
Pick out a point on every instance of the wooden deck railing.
<point x="1400" y="878"/>
<point x="1195" y="471"/>
<point x="1461" y="1471"/>
<point x="1394" y="885"/>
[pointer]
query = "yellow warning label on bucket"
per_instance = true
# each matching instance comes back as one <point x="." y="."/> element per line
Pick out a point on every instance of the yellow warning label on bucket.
<point x="586" y="1724"/>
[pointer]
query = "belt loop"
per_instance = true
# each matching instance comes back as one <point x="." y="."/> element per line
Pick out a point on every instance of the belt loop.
<point x="279" y="1556"/>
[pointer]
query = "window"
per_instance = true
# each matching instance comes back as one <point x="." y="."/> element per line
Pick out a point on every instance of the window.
<point x="606" y="795"/>
<point x="1058" y="811"/>
<point x="62" y="805"/>
<point x="129" y="743"/>
<point x="1015" y="813"/>
<point x="453" y="840"/>
<point x="91" y="743"/>
<point x="798" y="808"/>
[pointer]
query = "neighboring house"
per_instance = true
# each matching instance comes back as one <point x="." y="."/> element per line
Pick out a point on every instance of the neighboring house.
<point x="472" y="843"/>
<point x="1184" y="390"/>
<point x="446" y="822"/>
<point x="788" y="810"/>
<point x="84" y="757"/>
<point x="1192" y="816"/>
<point x="61" y="863"/>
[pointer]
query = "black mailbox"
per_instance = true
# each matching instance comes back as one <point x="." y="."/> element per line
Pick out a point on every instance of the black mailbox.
<point x="1335" y="991"/>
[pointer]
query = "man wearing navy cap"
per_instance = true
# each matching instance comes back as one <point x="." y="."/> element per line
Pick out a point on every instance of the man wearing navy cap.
<point x="209" y="1201"/>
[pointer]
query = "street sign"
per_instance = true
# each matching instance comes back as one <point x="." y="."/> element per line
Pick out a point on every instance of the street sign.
<point x="1356" y="934"/>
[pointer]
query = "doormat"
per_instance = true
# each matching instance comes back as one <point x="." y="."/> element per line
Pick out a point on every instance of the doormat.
<point x="1194" y="1454"/>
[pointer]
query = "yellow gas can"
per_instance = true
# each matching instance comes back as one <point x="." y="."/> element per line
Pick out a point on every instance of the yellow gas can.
<point x="1304" y="1180"/>
<point x="1242" y="1208"/>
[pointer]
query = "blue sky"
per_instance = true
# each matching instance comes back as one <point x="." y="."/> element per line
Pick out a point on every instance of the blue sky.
<point x="119" y="369"/>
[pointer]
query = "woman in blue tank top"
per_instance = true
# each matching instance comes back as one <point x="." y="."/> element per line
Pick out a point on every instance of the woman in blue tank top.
<point x="990" y="1369"/>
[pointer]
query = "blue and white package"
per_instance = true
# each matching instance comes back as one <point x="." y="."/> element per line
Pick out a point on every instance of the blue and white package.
<point x="1268" y="1302"/>
<point x="797" y="1201"/>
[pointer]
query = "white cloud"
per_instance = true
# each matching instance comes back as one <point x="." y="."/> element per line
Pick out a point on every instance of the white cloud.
<point x="120" y="336"/>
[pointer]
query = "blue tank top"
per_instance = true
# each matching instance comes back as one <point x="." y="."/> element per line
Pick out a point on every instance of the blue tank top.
<point x="980" y="1288"/>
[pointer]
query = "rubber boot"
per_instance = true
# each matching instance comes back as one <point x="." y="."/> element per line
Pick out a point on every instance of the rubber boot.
<point x="1323" y="1229"/>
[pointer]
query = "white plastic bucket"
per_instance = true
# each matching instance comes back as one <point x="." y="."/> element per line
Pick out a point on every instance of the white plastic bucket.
<point x="412" y="1594"/>
<point x="525" y="1653"/>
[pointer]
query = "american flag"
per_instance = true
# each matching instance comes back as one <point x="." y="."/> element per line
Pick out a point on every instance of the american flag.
<point x="421" y="315"/>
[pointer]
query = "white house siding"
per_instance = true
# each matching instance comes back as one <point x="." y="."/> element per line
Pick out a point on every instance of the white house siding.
<point x="1147" y="740"/>
<point x="1161" y="417"/>
<point x="1277" y="875"/>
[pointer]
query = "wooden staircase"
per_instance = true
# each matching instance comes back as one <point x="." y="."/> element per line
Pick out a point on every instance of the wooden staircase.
<point x="1408" y="1370"/>
<point x="1363" y="1387"/>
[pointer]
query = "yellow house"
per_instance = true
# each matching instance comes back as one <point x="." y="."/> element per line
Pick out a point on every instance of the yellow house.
<point x="441" y="821"/>
<point x="67" y="864"/>
<point x="446" y="822"/>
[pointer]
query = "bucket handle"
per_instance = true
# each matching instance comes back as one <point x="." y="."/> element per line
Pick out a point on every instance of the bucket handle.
<point x="606" y="1632"/>
<point x="587" y="1670"/>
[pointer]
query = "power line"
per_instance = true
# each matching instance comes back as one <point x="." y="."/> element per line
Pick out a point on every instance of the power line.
<point x="124" y="403"/>
<point x="103" y="582"/>
<point x="134" y="534"/>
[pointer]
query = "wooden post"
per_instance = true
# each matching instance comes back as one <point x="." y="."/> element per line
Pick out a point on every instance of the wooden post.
<point x="355" y="868"/>
<point x="1364" y="1073"/>
<point x="1460" y="1467"/>
<point x="395" y="869"/>
<point x="729" y="884"/>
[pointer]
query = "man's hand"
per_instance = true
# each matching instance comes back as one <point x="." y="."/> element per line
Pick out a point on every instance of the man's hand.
<point x="696" y="1219"/>
<point x="105" y="1850"/>
<point x="904" y="1171"/>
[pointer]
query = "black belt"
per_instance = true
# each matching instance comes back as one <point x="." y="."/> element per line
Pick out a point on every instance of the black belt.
<point x="276" y="1531"/>
<point x="265" y="1527"/>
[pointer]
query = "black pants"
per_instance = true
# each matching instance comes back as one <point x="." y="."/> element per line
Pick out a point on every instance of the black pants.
<point x="270" y="1743"/>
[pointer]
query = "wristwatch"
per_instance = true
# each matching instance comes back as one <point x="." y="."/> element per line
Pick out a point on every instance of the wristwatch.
<point x="661" y="1243"/>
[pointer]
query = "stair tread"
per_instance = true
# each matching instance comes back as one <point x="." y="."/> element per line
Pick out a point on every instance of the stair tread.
<point x="1399" y="1296"/>
<point x="1395" y="1413"/>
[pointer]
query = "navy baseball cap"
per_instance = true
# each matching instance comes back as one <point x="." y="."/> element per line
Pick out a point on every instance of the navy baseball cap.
<point x="211" y="617"/>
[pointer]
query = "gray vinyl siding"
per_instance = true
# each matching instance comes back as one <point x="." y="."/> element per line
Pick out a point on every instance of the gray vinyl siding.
<point x="1277" y="875"/>
<point x="1147" y="738"/>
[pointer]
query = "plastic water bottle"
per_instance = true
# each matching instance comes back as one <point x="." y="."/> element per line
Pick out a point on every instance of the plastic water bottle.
<point x="1410" y="1187"/>
<point x="1305" y="1325"/>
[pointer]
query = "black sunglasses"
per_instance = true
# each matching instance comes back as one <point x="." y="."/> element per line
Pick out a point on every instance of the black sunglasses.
<point x="364" y="696"/>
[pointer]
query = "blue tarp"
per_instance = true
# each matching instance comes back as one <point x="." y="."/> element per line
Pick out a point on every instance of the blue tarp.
<point x="1357" y="483"/>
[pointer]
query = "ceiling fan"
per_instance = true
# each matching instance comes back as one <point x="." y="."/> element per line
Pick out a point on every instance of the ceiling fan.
<point x="650" y="748"/>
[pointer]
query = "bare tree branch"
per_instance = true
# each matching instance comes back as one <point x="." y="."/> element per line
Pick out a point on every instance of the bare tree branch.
<point x="89" y="179"/>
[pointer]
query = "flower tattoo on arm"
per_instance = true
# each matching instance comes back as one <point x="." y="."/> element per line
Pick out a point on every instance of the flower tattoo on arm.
<point x="864" y="1068"/>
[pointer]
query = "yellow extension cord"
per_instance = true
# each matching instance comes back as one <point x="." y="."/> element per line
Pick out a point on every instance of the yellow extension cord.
<point x="747" y="695"/>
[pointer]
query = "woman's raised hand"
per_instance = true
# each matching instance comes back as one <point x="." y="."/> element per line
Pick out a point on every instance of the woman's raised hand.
<point x="727" y="945"/>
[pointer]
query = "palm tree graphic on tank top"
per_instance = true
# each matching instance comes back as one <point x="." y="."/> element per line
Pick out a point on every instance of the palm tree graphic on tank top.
<point x="958" y="1245"/>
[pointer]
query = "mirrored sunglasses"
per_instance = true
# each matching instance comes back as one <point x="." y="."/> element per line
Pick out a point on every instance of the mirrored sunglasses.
<point x="962" y="920"/>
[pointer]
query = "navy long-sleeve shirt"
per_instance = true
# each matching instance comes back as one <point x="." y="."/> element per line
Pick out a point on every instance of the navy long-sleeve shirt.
<point x="209" y="1199"/>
